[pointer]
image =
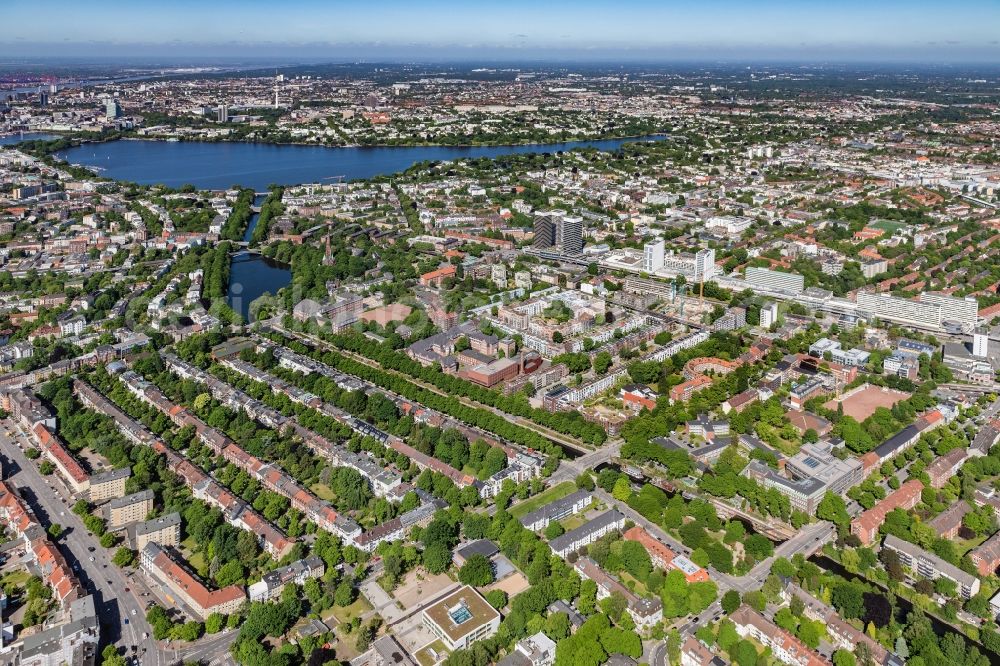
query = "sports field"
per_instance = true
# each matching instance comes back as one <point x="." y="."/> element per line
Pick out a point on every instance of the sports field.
<point x="861" y="402"/>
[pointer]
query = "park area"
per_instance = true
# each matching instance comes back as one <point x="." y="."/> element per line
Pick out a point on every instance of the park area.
<point x="861" y="402"/>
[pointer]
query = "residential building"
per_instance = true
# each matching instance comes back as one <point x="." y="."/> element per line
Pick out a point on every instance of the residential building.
<point x="197" y="598"/>
<point x="661" y="556"/>
<point x="929" y="312"/>
<point x="65" y="463"/>
<point x="385" y="651"/>
<point x="653" y="256"/>
<point x="121" y="511"/>
<point x="273" y="582"/>
<point x="763" y="279"/>
<point x="785" y="647"/>
<point x="73" y="641"/>
<point x="696" y="653"/>
<point x="536" y="650"/>
<point x="164" y="531"/>
<point x="109" y="485"/>
<point x="683" y="391"/>
<point x="947" y="523"/>
<point x="587" y="533"/>
<point x="931" y="566"/>
<point x="769" y="314"/>
<point x="866" y="526"/>
<point x="986" y="556"/>
<point x="646" y="613"/>
<point x="945" y="467"/>
<point x="558" y="509"/>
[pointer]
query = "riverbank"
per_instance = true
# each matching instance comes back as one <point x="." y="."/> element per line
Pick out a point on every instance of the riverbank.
<point x="627" y="138"/>
<point x="827" y="560"/>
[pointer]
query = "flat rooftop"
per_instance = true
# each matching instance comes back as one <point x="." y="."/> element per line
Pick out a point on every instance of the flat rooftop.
<point x="461" y="612"/>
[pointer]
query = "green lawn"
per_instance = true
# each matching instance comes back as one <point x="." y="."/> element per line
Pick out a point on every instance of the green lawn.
<point x="633" y="583"/>
<point x="17" y="578"/>
<point x="345" y="614"/>
<point x="323" y="491"/>
<point x="573" y="522"/>
<point x="543" y="498"/>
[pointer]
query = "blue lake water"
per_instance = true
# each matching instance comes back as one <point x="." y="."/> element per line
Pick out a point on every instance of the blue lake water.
<point x="256" y="165"/>
<point x="250" y="276"/>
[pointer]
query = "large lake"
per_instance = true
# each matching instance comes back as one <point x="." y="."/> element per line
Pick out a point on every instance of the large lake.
<point x="221" y="165"/>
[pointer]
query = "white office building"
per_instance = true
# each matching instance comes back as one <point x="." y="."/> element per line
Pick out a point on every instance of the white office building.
<point x="769" y="314"/>
<point x="980" y="343"/>
<point x="653" y="257"/>
<point x="704" y="265"/>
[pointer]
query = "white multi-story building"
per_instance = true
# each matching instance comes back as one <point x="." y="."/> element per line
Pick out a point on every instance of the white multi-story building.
<point x="704" y="265"/>
<point x="769" y="314"/>
<point x="498" y="274"/>
<point x="980" y="343"/>
<point x="653" y="257"/>
<point x="932" y="311"/>
<point x="763" y="278"/>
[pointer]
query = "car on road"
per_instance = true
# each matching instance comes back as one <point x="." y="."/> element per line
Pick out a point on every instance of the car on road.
<point x="92" y="558"/>
<point x="133" y="611"/>
<point x="126" y="620"/>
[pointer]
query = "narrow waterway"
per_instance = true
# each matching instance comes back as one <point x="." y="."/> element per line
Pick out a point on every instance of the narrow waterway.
<point x="902" y="607"/>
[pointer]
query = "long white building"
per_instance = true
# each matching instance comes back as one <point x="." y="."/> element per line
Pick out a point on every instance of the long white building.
<point x="792" y="283"/>
<point x="931" y="311"/>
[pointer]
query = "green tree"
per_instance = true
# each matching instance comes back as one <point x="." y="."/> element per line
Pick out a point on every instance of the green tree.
<point x="730" y="601"/>
<point x="476" y="571"/>
<point x="214" y="623"/>
<point x="833" y="508"/>
<point x="622" y="490"/>
<point x="123" y="557"/>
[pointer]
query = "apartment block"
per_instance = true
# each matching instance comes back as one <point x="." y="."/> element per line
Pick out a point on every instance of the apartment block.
<point x="199" y="600"/>
<point x="121" y="511"/>
<point x="164" y="531"/>
<point x="109" y="485"/>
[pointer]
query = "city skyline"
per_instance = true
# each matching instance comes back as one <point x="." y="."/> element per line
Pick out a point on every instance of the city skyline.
<point x="445" y="30"/>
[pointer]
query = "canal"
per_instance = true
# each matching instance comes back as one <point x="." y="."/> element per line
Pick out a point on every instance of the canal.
<point x="902" y="606"/>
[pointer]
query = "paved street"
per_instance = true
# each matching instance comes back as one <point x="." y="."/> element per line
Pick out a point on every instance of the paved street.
<point x="52" y="502"/>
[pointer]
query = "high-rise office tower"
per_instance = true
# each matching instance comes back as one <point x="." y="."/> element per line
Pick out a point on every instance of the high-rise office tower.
<point x="545" y="232"/>
<point x="704" y="264"/>
<point x="112" y="109"/>
<point x="653" y="257"/>
<point x="980" y="343"/>
<point x="569" y="235"/>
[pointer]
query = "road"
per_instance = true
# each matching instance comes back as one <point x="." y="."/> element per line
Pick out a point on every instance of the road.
<point x="569" y="468"/>
<point x="658" y="654"/>
<point x="52" y="502"/>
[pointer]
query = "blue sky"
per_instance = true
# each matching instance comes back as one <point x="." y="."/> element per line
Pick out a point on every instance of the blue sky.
<point x="917" y="30"/>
